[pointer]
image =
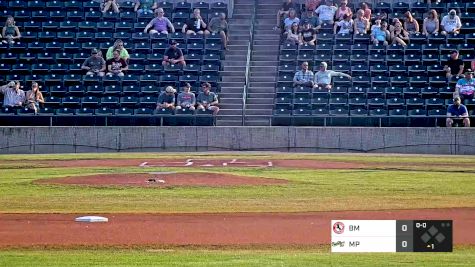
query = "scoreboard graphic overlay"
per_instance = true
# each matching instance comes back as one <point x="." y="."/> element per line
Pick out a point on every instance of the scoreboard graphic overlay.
<point x="391" y="235"/>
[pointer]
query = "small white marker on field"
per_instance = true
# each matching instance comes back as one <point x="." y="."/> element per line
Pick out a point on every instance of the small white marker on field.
<point x="143" y="164"/>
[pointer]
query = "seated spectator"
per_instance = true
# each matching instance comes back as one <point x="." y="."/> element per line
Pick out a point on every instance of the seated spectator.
<point x="173" y="55"/>
<point x="284" y="12"/>
<point x="166" y="99"/>
<point x="431" y="23"/>
<point x="323" y="77"/>
<point x="454" y="66"/>
<point x="399" y="35"/>
<point x="326" y="12"/>
<point x="10" y="32"/>
<point x="290" y="20"/>
<point x="304" y="77"/>
<point x="186" y="99"/>
<point x="451" y="23"/>
<point x="110" y="4"/>
<point x="219" y="25"/>
<point x="345" y="25"/>
<point x="343" y="10"/>
<point x="13" y="95"/>
<point x="293" y="35"/>
<point x="116" y="65"/>
<point x="195" y="25"/>
<point x="160" y="24"/>
<point x="145" y="6"/>
<point x="312" y="5"/>
<point x="366" y="11"/>
<point x="380" y="34"/>
<point x="207" y="100"/>
<point x="458" y="114"/>
<point x="34" y="97"/>
<point x="308" y="35"/>
<point x="361" y="24"/>
<point x="118" y="45"/>
<point x="95" y="64"/>
<point x="410" y="24"/>
<point x="465" y="87"/>
<point x="311" y="18"/>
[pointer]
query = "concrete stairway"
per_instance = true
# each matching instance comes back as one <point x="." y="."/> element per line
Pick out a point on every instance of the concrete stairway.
<point x="234" y="70"/>
<point x="264" y="62"/>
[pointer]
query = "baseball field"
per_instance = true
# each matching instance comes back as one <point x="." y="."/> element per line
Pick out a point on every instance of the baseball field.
<point x="219" y="209"/>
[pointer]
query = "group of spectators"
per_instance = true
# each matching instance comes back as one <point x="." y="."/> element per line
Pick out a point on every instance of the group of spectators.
<point x="316" y="13"/>
<point x="186" y="100"/>
<point x="15" y="97"/>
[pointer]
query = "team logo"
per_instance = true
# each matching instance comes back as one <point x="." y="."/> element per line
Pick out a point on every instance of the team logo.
<point x="338" y="228"/>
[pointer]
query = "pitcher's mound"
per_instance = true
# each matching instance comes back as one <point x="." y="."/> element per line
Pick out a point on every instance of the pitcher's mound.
<point x="163" y="180"/>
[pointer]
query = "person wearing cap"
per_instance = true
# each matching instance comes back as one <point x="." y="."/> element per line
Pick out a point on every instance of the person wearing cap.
<point x="186" y="99"/>
<point x="195" y="25"/>
<point x="173" y="55"/>
<point x="454" y="66"/>
<point x="457" y="113"/>
<point x="159" y="24"/>
<point x="166" y="99"/>
<point x="116" y="65"/>
<point x="323" y="77"/>
<point x="118" y="45"/>
<point x="451" y="23"/>
<point x="326" y="12"/>
<point x="283" y="12"/>
<point x="95" y="64"/>
<point x="34" y="97"/>
<point x="304" y="77"/>
<point x="465" y="87"/>
<point x="207" y="100"/>
<point x="13" y="95"/>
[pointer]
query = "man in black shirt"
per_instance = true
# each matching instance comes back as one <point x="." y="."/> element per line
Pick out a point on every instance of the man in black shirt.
<point x="173" y="55"/>
<point x="308" y="35"/>
<point x="195" y="25"/>
<point x="454" y="66"/>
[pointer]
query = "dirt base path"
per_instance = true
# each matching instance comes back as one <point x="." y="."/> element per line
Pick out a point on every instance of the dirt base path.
<point x="205" y="229"/>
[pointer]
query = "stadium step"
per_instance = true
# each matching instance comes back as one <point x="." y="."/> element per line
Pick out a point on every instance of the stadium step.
<point x="264" y="63"/>
<point x="259" y="106"/>
<point x="258" y="112"/>
<point x="235" y="68"/>
<point x="260" y="90"/>
<point x="264" y="79"/>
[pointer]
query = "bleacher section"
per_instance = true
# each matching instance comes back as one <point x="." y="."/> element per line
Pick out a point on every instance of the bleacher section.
<point x="391" y="86"/>
<point x="57" y="36"/>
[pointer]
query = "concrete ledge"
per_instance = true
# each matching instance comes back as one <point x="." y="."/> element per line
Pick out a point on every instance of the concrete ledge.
<point x="27" y="140"/>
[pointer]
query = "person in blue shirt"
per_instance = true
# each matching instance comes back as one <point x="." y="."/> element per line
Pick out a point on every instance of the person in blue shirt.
<point x="457" y="113"/>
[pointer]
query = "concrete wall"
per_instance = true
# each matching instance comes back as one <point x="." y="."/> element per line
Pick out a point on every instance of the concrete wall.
<point x="292" y="139"/>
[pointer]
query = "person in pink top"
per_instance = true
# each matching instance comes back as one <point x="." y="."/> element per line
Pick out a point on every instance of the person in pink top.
<point x="343" y="10"/>
<point x="366" y="10"/>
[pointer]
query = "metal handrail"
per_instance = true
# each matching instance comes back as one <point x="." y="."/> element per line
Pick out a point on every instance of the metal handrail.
<point x="248" y="63"/>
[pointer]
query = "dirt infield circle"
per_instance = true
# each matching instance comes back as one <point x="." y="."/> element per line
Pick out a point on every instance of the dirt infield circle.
<point x="163" y="179"/>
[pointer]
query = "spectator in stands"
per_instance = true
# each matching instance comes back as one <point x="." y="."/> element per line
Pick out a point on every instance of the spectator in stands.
<point x="13" y="95"/>
<point x="290" y="20"/>
<point x="326" y="12"/>
<point x="304" y="77"/>
<point x="345" y="25"/>
<point x="284" y="12"/>
<point x="311" y="5"/>
<point x="186" y="99"/>
<point x="399" y="35"/>
<point x="116" y="65"/>
<point x="195" y="25"/>
<point x="219" y="25"/>
<point x="293" y="34"/>
<point x="308" y="35"/>
<point x="451" y="23"/>
<point x="380" y="34"/>
<point x="207" y="100"/>
<point x="34" y="97"/>
<point x="323" y="77"/>
<point x="457" y="113"/>
<point x="95" y="64"/>
<point x="145" y="6"/>
<point x="160" y="24"/>
<point x="431" y="23"/>
<point x="454" y="66"/>
<point x="465" y="88"/>
<point x="343" y="10"/>
<point x="118" y="45"/>
<point x="110" y="4"/>
<point x="410" y="24"/>
<point x="10" y="32"/>
<point x="393" y="25"/>
<point x="361" y="24"/>
<point x="166" y="99"/>
<point x="311" y="18"/>
<point x="366" y="11"/>
<point x="173" y="55"/>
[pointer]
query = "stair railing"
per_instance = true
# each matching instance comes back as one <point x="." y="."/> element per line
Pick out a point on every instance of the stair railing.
<point x="248" y="63"/>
